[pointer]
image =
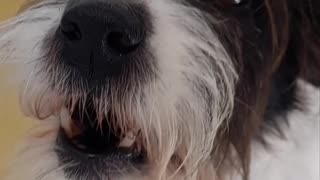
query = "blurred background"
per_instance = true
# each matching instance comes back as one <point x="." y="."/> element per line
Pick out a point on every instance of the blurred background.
<point x="12" y="124"/>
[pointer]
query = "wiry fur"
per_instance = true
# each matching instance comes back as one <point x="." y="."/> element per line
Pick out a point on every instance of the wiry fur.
<point x="173" y="114"/>
<point x="183" y="111"/>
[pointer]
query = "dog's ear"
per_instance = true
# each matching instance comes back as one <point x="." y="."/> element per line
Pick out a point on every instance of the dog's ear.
<point x="297" y="32"/>
<point x="309" y="53"/>
<point x="293" y="30"/>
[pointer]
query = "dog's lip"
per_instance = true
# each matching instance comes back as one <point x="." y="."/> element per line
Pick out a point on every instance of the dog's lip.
<point x="127" y="148"/>
<point x="112" y="164"/>
<point x="122" y="154"/>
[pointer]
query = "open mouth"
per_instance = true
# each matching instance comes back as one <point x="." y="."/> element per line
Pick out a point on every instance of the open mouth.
<point x="87" y="141"/>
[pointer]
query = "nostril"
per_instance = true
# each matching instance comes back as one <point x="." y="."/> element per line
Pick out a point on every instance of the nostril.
<point x="100" y="39"/>
<point x="123" y="42"/>
<point x="71" y="31"/>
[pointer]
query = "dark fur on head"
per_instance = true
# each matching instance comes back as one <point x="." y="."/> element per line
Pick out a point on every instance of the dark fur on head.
<point x="269" y="70"/>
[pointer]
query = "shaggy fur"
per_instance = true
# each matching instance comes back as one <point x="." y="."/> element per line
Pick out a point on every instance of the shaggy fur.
<point x="213" y="95"/>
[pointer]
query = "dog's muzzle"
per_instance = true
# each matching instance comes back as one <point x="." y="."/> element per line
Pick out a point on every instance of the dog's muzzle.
<point x="100" y="50"/>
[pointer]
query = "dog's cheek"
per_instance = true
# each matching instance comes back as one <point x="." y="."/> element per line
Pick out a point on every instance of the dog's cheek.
<point x="37" y="150"/>
<point x="6" y="34"/>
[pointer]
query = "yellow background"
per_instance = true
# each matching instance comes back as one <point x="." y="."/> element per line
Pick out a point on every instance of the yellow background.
<point x="12" y="123"/>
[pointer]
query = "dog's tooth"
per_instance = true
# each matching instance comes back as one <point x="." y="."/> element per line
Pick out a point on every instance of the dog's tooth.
<point x="65" y="120"/>
<point x="71" y="129"/>
<point x="128" y="141"/>
<point x="138" y="143"/>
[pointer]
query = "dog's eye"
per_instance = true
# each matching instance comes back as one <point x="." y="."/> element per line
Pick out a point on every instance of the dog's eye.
<point x="234" y="3"/>
<point x="240" y="2"/>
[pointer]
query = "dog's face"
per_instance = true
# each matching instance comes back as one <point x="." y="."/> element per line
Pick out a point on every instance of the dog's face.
<point x="140" y="89"/>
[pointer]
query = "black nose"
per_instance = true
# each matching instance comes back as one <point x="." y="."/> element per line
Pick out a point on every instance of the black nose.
<point x="99" y="37"/>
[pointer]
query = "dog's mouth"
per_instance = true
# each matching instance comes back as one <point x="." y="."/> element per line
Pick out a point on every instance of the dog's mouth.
<point x="90" y="137"/>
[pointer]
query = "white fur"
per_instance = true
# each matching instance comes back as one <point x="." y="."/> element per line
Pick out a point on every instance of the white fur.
<point x="297" y="156"/>
<point x="172" y="117"/>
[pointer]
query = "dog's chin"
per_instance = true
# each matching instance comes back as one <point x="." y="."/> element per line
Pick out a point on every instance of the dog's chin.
<point x="97" y="144"/>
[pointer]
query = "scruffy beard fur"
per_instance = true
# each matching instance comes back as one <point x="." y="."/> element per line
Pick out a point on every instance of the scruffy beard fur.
<point x="185" y="108"/>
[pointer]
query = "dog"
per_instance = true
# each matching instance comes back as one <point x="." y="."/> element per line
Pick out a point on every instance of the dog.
<point x="167" y="89"/>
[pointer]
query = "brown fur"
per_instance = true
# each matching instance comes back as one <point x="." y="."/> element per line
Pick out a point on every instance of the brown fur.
<point x="294" y="27"/>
